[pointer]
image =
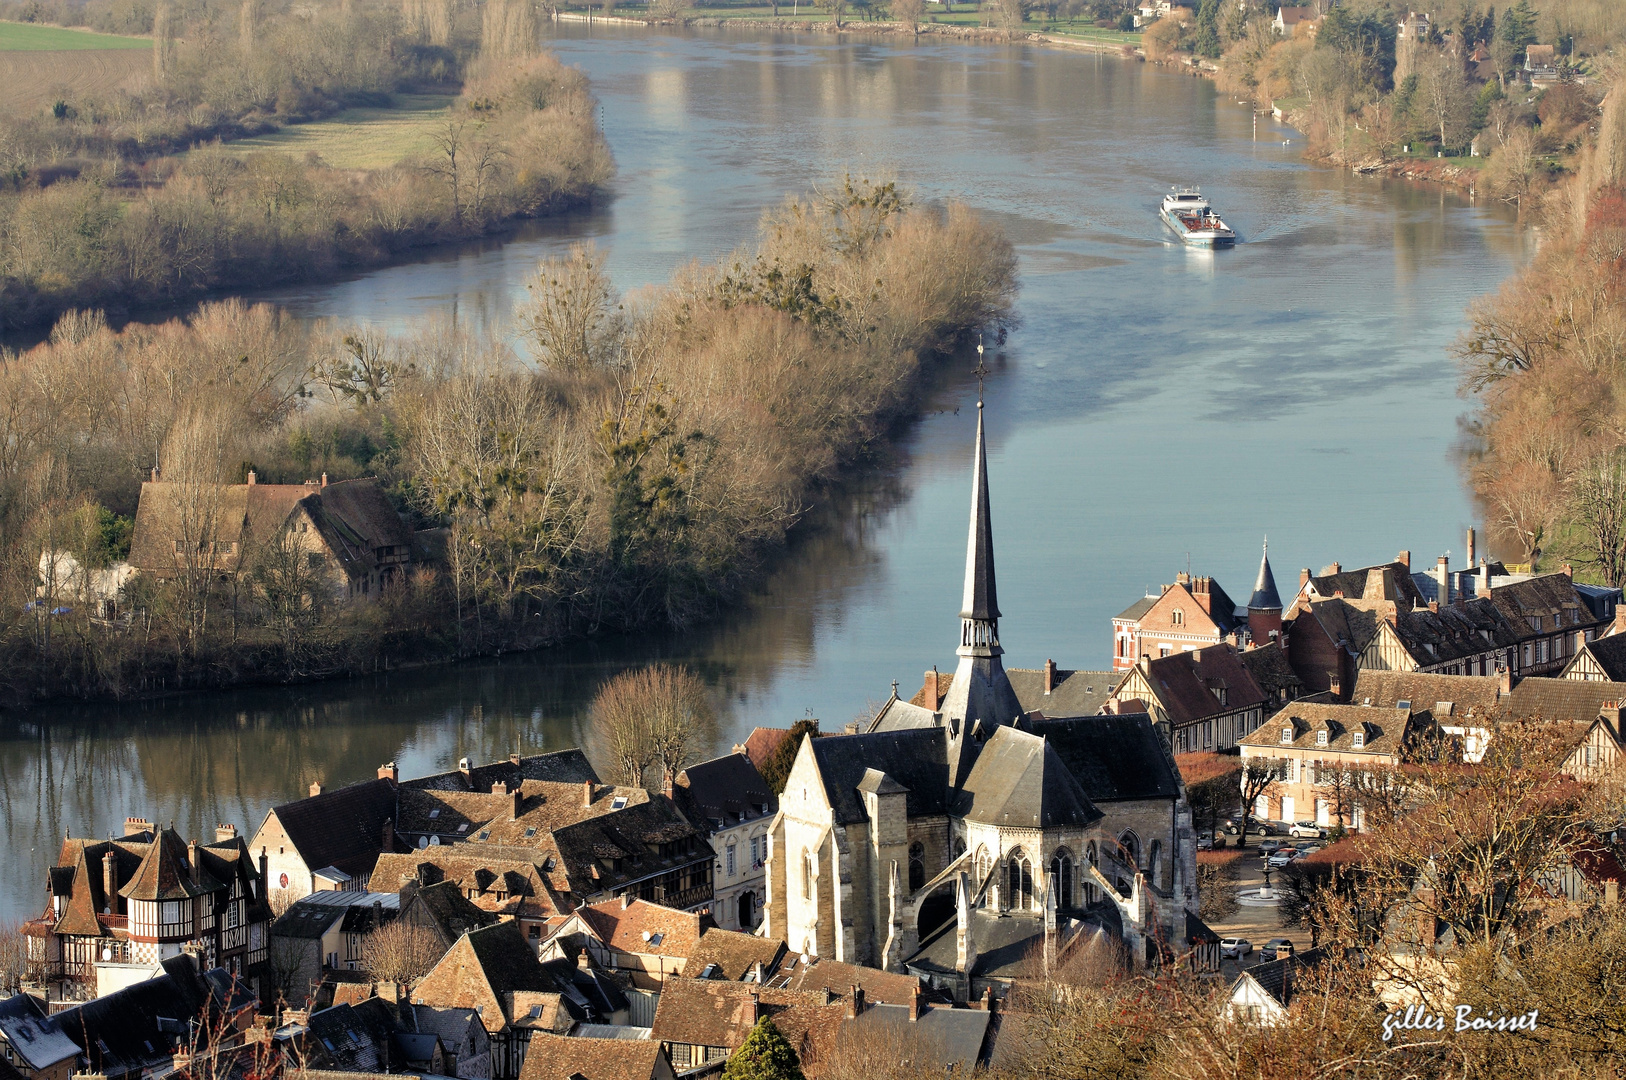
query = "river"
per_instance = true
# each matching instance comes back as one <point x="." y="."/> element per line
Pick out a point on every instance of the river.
<point x="1158" y="408"/>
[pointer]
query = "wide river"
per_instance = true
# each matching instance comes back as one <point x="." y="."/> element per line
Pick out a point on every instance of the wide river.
<point x="1159" y="408"/>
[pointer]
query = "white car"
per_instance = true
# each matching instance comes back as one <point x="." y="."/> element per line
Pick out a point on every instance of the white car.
<point x="1308" y="829"/>
<point x="1235" y="947"/>
<point x="1280" y="860"/>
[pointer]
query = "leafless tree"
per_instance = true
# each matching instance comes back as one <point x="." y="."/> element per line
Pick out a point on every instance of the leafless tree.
<point x="363" y="370"/>
<point x="400" y="952"/>
<point x="1598" y="505"/>
<point x="659" y="715"/>
<point x="1259" y="775"/>
<point x="908" y="13"/>
<point x="571" y="316"/>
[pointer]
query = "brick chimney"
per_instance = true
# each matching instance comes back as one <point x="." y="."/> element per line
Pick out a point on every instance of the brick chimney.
<point x="1610" y="712"/>
<point x="265" y="873"/>
<point x="1470" y="547"/>
<point x="316" y="789"/>
<point x="1335" y="685"/>
<point x="667" y="783"/>
<point x="225" y="834"/>
<point x="134" y="825"/>
<point x="388" y="835"/>
<point x="390" y="771"/>
<point x="1304" y="578"/>
<point x="110" y="884"/>
<point x="1049" y="676"/>
<point x="252" y="479"/>
<point x="583" y="961"/>
<point x="587" y="793"/>
<point x="855" y="1004"/>
<point x="192" y="862"/>
<point x="1442" y="571"/>
<point x="753" y="1009"/>
<point x="1506" y="675"/>
<point x="324" y="479"/>
<point x="464" y="767"/>
<point x="914" y="1004"/>
<point x="929" y="689"/>
<point x="1404" y="558"/>
<point x="514" y="759"/>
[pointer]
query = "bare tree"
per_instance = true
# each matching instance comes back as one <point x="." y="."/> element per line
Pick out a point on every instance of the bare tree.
<point x="659" y="715"/>
<point x="292" y="588"/>
<point x="14" y="963"/>
<point x="363" y="371"/>
<point x="400" y="952"/>
<point x="1259" y="775"/>
<point x="570" y="316"/>
<point x="1598" y="505"/>
<point x="908" y="13"/>
<point x="622" y="727"/>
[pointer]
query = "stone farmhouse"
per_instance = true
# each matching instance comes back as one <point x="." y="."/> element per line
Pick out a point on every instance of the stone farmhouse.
<point x="351" y="535"/>
<point x="899" y="845"/>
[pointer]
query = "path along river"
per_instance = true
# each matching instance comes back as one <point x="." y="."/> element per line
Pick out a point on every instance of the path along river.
<point x="1158" y="408"/>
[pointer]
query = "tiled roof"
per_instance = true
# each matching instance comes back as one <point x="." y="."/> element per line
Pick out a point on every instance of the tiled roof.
<point x="734" y="953"/>
<point x="1072" y="693"/>
<point x="165" y="872"/>
<point x="1113" y="758"/>
<point x="509" y="886"/>
<point x="709" y="1013"/>
<point x="1185" y="683"/>
<point x="953" y="1038"/>
<point x="723" y="791"/>
<point x="543" y="807"/>
<point x="482" y="972"/>
<point x="1383" y="731"/>
<point x="1280" y="978"/>
<point x="1270" y="668"/>
<point x="822" y="973"/>
<point x="914" y="757"/>
<point x="1610" y="655"/>
<point x="564" y="1057"/>
<point x="762" y="742"/>
<point x="444" y="907"/>
<point x="1019" y="781"/>
<point x="604" y="852"/>
<point x="643" y="927"/>
<point x="1397" y="584"/>
<point x="342" y="828"/>
<point x="1468" y="695"/>
<point x="1562" y="700"/>
<point x="563" y="766"/>
<point x="353" y="1038"/>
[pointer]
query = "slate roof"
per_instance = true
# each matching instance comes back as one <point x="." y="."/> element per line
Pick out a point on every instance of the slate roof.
<point x="39" y="1042"/>
<point x="145" y="865"/>
<point x="356" y="1038"/>
<point x="605" y="852"/>
<point x="1609" y="654"/>
<point x="342" y="828"/>
<point x="1570" y="701"/>
<point x="524" y="887"/>
<point x="1185" y="683"/>
<point x="1019" y="780"/>
<point x="165" y="872"/>
<point x="1114" y="758"/>
<point x="1265" y="597"/>
<point x="955" y="1038"/>
<point x="1356" y="583"/>
<point x="1270" y="668"/>
<point x="1072" y="693"/>
<point x="563" y="1057"/>
<point x="822" y="973"/>
<point x="723" y="791"/>
<point x="1134" y="611"/>
<point x="563" y="766"/>
<point x="1467" y="695"/>
<point x="914" y="757"/>
<point x="1279" y="978"/>
<point x="1384" y="731"/>
<point x="443" y="907"/>
<point x="1005" y="947"/>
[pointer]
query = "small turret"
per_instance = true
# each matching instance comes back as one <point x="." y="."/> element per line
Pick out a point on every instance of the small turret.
<point x="1265" y="606"/>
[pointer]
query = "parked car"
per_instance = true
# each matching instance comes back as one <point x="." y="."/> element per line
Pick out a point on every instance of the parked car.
<point x="1277" y="948"/>
<point x="1205" y="843"/>
<point x="1235" y="947"/>
<point x="1308" y="849"/>
<point x="1307" y="828"/>
<point x="1281" y="857"/>
<point x="1268" y="847"/>
<point x="1267" y="828"/>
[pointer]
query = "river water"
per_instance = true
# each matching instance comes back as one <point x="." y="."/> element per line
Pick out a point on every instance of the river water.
<point x="1159" y="408"/>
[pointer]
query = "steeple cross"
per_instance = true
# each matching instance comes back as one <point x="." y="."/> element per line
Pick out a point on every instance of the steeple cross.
<point x="980" y="371"/>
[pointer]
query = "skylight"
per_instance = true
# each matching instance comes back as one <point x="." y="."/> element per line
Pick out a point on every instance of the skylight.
<point x="463" y="827"/>
<point x="433" y="814"/>
<point x="530" y="832"/>
<point x="485" y="834"/>
<point x="619" y="803"/>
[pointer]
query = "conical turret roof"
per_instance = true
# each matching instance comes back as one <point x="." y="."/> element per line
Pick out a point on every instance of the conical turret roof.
<point x="1265" y="597"/>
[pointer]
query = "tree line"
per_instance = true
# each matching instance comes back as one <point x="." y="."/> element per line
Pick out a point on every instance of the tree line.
<point x="139" y="197"/>
<point x="615" y="463"/>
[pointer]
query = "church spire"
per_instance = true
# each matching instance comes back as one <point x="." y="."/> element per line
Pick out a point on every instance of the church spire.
<point x="979" y="610"/>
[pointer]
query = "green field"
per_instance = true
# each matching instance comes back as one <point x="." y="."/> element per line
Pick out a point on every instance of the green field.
<point x="31" y="37"/>
<point x="362" y="138"/>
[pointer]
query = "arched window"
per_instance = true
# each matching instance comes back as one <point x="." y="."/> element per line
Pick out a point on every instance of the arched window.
<point x="981" y="863"/>
<point x="1089" y="882"/>
<point x="1061" y="866"/>
<point x="1154" y="863"/>
<point x="1129" y="849"/>
<point x="1021" y="881"/>
<point x="917" y="866"/>
<point x="807" y="874"/>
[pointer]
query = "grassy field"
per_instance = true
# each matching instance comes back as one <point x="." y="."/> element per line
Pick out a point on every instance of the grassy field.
<point x="33" y="80"/>
<point x="31" y="37"/>
<point x="362" y="138"/>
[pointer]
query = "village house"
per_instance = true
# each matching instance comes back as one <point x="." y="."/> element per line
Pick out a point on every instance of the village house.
<point x="558" y="1057"/>
<point x="324" y="932"/>
<point x="116" y="909"/>
<point x="351" y="535"/>
<point x="1207" y="699"/>
<point x="650" y="943"/>
<point x="1465" y="706"/>
<point x="1320" y="743"/>
<point x="934" y="824"/>
<point x="1563" y="701"/>
<point x="1601" y="659"/>
<point x="1541" y="63"/>
<point x="1263" y="993"/>
<point x="727" y="798"/>
<point x="31" y="1045"/>
<point x="1192" y="613"/>
<point x="1288" y="19"/>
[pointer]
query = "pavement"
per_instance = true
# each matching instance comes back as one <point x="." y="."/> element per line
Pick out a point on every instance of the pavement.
<point x="1257" y="924"/>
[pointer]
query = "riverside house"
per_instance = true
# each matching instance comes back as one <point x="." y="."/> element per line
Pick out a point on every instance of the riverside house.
<point x="727" y="798"/>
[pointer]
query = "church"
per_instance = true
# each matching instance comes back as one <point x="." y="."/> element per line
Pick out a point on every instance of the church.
<point x="961" y="842"/>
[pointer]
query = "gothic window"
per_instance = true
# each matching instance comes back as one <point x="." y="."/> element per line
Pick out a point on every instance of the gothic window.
<point x="1177" y="617"/>
<point x="1062" y="867"/>
<point x="1089" y="853"/>
<point x="1154" y="863"/>
<point x="982" y="864"/>
<point x="1130" y="845"/>
<point x="917" y="866"/>
<point x="807" y="874"/>
<point x="1021" y="881"/>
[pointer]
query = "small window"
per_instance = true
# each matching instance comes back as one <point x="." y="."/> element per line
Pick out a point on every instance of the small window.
<point x="529" y="833"/>
<point x="485" y="834"/>
<point x="463" y="828"/>
<point x="656" y="939"/>
<point x="1359" y="740"/>
<point x="1403" y="703"/>
<point x="1321" y="738"/>
<point x="618" y="803"/>
<point x="1177" y="617"/>
<point x="1287" y="735"/>
<point x="433" y="814"/>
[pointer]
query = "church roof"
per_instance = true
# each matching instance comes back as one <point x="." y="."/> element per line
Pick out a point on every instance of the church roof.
<point x="1114" y="758"/>
<point x="1019" y="780"/>
<point x="1265" y="597"/>
<point x="914" y="757"/>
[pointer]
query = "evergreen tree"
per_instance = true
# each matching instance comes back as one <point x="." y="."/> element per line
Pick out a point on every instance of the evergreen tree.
<point x="1207" y="41"/>
<point x="1519" y="26"/>
<point x="765" y="1055"/>
<point x="776" y="770"/>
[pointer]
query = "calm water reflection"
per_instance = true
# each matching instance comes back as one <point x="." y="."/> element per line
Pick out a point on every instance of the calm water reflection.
<point x="1159" y="406"/>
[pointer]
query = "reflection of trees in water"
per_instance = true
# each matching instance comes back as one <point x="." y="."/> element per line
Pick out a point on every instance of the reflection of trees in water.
<point x="229" y="757"/>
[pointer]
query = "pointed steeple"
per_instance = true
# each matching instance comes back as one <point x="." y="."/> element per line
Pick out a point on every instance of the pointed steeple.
<point x="980" y="698"/>
<point x="1265" y="597"/>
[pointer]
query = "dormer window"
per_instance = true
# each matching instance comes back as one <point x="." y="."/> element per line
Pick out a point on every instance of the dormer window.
<point x="1177" y="617"/>
<point x="1359" y="740"/>
<point x="1287" y="735"/>
<point x="1321" y="738"/>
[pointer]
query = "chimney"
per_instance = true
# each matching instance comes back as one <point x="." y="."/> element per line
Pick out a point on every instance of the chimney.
<point x="583" y="962"/>
<point x="390" y="771"/>
<point x="1568" y="572"/>
<point x="1404" y="558"/>
<point x="626" y="900"/>
<point x="519" y="801"/>
<point x="225" y="834"/>
<point x="192" y="862"/>
<point x="1443" y="572"/>
<point x="1335" y="685"/>
<point x="110" y="884"/>
<point x="914" y="1004"/>
<point x="252" y="478"/>
<point x="1507" y="680"/>
<point x="1182" y="578"/>
<point x="666" y="783"/>
<point x="463" y="767"/>
<point x="1470" y="546"/>
<point x="1434" y="606"/>
<point x="378" y="914"/>
<point x="135" y="825"/>
<point x="1610" y="712"/>
<point x="316" y="789"/>
<point x="1619" y="625"/>
<point x="1335" y="568"/>
<point x="324" y="479"/>
<point x="1049" y="676"/>
<point x="265" y="873"/>
<point x="987" y="999"/>
<point x="1304" y="578"/>
<point x="753" y="1009"/>
<point x="929" y="690"/>
<point x="1611" y="893"/>
<point x="388" y="837"/>
<point x="514" y="759"/>
<point x="855" y="1004"/>
<point x="587" y="793"/>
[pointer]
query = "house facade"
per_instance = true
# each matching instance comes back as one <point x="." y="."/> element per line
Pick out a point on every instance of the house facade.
<point x="1192" y="613"/>
<point x="729" y="801"/>
<point x="1206" y="699"/>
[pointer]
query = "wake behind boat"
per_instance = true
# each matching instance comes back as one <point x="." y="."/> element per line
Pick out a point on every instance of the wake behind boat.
<point x="1193" y="219"/>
